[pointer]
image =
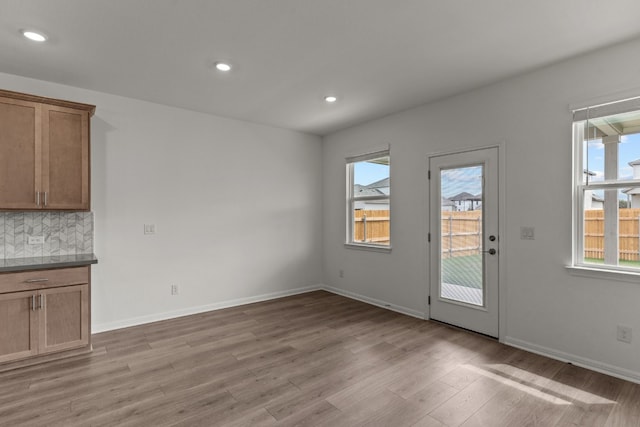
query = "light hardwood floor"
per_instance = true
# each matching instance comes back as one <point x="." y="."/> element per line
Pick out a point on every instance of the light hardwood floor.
<point x="315" y="359"/>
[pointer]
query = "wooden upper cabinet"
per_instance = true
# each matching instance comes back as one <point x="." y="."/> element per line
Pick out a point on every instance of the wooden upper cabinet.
<point x="65" y="154"/>
<point x="44" y="153"/>
<point x="20" y="134"/>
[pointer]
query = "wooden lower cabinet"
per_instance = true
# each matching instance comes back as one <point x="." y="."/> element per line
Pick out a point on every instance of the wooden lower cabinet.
<point x="18" y="326"/>
<point x="64" y="319"/>
<point x="45" y="320"/>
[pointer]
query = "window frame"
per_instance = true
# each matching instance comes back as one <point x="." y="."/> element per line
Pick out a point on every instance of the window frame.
<point x="351" y="199"/>
<point x="580" y="188"/>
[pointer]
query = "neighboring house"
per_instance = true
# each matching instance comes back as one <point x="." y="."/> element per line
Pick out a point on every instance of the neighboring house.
<point x="382" y="186"/>
<point x="633" y="194"/>
<point x="448" y="205"/>
<point x="374" y="189"/>
<point x="466" y="201"/>
<point x="593" y="202"/>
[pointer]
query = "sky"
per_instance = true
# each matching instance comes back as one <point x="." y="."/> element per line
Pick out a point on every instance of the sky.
<point x="628" y="150"/>
<point x="456" y="181"/>
<point x="365" y="173"/>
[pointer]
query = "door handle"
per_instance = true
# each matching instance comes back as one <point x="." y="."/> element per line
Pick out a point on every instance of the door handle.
<point x="491" y="251"/>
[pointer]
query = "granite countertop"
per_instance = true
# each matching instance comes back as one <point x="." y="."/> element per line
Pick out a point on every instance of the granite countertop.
<point x="45" y="262"/>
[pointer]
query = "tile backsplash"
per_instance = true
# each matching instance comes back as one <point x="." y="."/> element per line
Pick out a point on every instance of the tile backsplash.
<point x="65" y="233"/>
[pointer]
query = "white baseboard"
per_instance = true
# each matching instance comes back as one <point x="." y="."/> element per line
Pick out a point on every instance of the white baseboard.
<point x="583" y="362"/>
<point x="135" y="321"/>
<point x="376" y="302"/>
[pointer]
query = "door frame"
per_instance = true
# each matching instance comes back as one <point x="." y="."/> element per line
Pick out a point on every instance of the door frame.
<point x="502" y="219"/>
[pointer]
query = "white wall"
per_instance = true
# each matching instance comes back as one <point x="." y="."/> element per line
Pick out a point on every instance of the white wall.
<point x="237" y="207"/>
<point x="547" y="308"/>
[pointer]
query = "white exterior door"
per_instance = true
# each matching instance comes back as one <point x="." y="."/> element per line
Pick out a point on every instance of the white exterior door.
<point x="464" y="256"/>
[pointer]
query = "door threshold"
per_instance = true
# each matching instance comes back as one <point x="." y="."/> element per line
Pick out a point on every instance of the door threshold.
<point x="465" y="329"/>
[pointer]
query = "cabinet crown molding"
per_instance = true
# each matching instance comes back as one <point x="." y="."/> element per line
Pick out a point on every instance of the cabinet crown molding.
<point x="51" y="101"/>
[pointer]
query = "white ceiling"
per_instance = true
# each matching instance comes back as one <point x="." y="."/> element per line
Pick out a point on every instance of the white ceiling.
<point x="377" y="56"/>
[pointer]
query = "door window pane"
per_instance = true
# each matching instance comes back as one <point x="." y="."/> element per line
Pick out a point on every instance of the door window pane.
<point x="461" y="266"/>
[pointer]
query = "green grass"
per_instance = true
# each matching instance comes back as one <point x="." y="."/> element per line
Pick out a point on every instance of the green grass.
<point x="622" y="262"/>
<point x="463" y="271"/>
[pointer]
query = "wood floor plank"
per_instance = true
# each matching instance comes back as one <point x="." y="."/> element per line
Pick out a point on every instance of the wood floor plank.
<point x="314" y="359"/>
<point x="466" y="402"/>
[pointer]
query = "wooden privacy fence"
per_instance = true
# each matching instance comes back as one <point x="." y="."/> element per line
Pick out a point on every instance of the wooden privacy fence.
<point x="461" y="233"/>
<point x="628" y="234"/>
<point x="371" y="226"/>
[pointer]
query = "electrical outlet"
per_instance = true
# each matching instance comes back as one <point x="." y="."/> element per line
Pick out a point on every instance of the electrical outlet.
<point x="527" y="233"/>
<point x="174" y="289"/>
<point x="149" y="229"/>
<point x="624" y="334"/>
<point x="35" y="240"/>
<point x="341" y="274"/>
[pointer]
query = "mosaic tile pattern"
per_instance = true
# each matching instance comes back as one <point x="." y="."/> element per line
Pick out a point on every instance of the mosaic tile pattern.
<point x="65" y="233"/>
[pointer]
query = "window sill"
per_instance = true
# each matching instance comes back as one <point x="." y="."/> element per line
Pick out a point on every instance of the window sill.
<point x="370" y="248"/>
<point x="603" y="273"/>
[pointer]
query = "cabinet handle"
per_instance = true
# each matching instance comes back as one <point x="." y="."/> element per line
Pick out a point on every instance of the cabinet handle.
<point x="41" y="306"/>
<point x="45" y="198"/>
<point x="36" y="280"/>
<point x="37" y="198"/>
<point x="33" y="303"/>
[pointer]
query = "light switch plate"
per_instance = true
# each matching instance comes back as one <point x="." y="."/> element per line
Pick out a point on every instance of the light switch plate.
<point x="527" y="233"/>
<point x="149" y="229"/>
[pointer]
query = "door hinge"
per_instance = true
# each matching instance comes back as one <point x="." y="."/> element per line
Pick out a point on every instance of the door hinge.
<point x="429" y="175"/>
<point x="429" y="300"/>
<point x="429" y="237"/>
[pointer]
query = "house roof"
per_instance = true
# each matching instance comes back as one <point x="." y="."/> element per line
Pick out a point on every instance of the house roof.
<point x="634" y="163"/>
<point x="361" y="190"/>
<point x="383" y="183"/>
<point x="447" y="202"/>
<point x="464" y="196"/>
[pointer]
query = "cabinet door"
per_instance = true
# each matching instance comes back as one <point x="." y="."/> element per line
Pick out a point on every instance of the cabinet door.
<point x="64" y="318"/>
<point x="65" y="152"/>
<point x="18" y="326"/>
<point x="20" y="155"/>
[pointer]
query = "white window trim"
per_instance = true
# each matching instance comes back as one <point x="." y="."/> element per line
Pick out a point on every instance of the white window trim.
<point x="351" y="199"/>
<point x="578" y="267"/>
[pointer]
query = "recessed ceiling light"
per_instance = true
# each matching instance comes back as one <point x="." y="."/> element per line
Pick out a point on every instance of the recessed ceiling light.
<point x="32" y="35"/>
<point x="223" y="66"/>
<point x="331" y="98"/>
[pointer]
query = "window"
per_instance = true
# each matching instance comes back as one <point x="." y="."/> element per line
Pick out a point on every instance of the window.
<point x="607" y="186"/>
<point x="368" y="201"/>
